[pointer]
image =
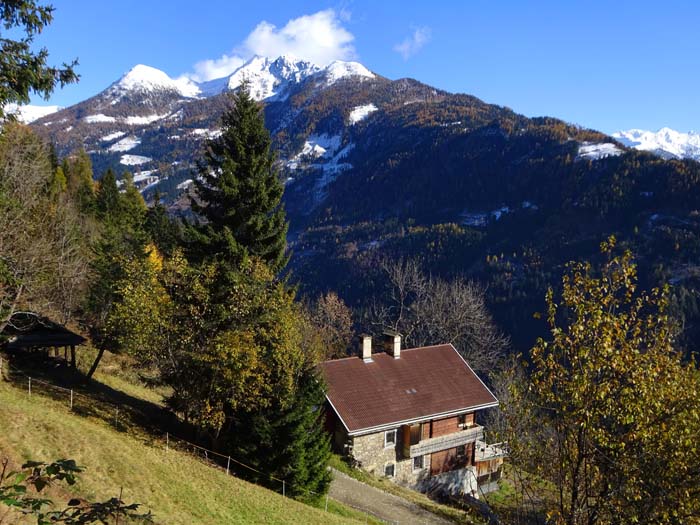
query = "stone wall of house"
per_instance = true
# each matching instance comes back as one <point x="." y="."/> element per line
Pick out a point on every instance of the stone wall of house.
<point x="371" y="455"/>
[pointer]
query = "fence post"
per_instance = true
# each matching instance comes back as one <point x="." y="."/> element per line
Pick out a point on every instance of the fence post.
<point x="30" y="386"/>
<point x="284" y="489"/>
<point x="71" y="399"/>
<point x="167" y="441"/>
<point x="228" y="465"/>
<point x="1" y="376"/>
<point x="116" y="416"/>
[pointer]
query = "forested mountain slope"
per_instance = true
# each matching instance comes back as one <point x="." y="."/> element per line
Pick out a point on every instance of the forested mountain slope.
<point x="379" y="168"/>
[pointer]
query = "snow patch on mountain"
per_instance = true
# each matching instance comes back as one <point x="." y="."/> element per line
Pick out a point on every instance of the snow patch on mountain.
<point x="596" y="151"/>
<point x="360" y="113"/>
<point x="665" y="142"/>
<point x="112" y="136"/>
<point x="143" y="120"/>
<point x="30" y="113"/>
<point x="148" y="79"/>
<point x="99" y="118"/>
<point x="317" y="146"/>
<point x="134" y="160"/>
<point x="184" y="184"/>
<point x="331" y="170"/>
<point x="125" y="144"/>
<point x="203" y="132"/>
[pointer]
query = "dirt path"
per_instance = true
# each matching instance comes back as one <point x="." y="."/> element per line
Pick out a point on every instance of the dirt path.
<point x="388" y="507"/>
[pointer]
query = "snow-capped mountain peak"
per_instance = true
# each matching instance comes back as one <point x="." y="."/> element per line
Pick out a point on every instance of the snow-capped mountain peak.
<point x="268" y="77"/>
<point x="339" y="69"/>
<point x="142" y="78"/>
<point x="665" y="142"/>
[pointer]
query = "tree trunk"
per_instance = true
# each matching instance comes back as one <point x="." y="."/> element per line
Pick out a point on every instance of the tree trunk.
<point x="94" y="366"/>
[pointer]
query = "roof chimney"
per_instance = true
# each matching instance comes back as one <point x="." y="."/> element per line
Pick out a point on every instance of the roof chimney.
<point x="366" y="348"/>
<point x="392" y="343"/>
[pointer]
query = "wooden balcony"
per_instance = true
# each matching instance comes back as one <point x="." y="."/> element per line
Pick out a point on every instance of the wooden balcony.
<point x="436" y="444"/>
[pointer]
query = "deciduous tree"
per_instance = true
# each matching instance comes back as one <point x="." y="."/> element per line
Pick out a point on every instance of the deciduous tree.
<point x="610" y="412"/>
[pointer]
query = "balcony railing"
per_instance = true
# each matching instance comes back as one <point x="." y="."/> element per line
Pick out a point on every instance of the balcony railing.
<point x="484" y="452"/>
<point x="436" y="444"/>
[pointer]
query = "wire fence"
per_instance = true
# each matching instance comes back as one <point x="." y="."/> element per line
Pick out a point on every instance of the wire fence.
<point x="170" y="441"/>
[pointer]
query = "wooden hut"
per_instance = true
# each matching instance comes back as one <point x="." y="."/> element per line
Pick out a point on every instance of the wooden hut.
<point x="31" y="332"/>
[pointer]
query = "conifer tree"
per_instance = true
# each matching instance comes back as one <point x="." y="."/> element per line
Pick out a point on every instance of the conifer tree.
<point x="78" y="172"/>
<point x="107" y="200"/>
<point x="23" y="68"/>
<point x="239" y="194"/>
<point x="122" y="236"/>
<point x="288" y="443"/>
<point x="165" y="232"/>
<point x="306" y="445"/>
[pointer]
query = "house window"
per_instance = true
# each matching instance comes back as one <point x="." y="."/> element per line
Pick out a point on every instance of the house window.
<point x="390" y="438"/>
<point x="389" y="470"/>
<point x="461" y="451"/>
<point x="417" y="463"/>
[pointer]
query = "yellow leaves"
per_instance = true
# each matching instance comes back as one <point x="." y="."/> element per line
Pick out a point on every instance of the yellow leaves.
<point x="154" y="257"/>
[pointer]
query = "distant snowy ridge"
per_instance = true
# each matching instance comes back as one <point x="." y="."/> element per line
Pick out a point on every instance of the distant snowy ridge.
<point x="30" y="113"/>
<point x="666" y="142"/>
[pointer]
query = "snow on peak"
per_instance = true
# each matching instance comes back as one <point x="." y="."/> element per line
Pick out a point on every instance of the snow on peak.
<point x="271" y="77"/>
<point x="146" y="78"/>
<point x="29" y="113"/>
<point x="665" y="142"/>
<point x="268" y="77"/>
<point x="338" y="69"/>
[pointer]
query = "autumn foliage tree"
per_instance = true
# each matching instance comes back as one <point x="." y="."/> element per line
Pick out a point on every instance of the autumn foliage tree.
<point x="44" y="254"/>
<point x="610" y="413"/>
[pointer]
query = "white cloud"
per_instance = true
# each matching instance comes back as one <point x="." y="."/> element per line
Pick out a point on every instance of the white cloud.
<point x="320" y="38"/>
<point x="216" y="68"/>
<point x="414" y="43"/>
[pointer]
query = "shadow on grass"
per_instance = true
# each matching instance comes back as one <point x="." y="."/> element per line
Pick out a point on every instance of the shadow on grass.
<point x="53" y="377"/>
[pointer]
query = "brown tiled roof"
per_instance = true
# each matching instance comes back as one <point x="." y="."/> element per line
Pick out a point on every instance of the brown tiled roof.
<point x="424" y="382"/>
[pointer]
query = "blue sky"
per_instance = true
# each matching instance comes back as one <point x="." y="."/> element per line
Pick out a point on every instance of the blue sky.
<point x="606" y="65"/>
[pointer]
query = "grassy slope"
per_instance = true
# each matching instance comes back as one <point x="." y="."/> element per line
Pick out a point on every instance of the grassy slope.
<point x="177" y="488"/>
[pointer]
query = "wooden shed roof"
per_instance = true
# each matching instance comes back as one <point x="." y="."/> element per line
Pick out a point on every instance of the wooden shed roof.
<point x="30" y="330"/>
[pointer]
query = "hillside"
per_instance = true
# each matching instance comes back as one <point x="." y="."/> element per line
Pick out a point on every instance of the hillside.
<point x="176" y="487"/>
<point x="377" y="168"/>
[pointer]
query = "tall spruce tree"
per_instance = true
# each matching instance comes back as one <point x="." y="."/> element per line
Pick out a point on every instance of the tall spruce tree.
<point x="239" y="194"/>
<point x="287" y="443"/>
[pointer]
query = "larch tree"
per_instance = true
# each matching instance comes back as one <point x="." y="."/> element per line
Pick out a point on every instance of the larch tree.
<point x="239" y="192"/>
<point x="610" y="412"/>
